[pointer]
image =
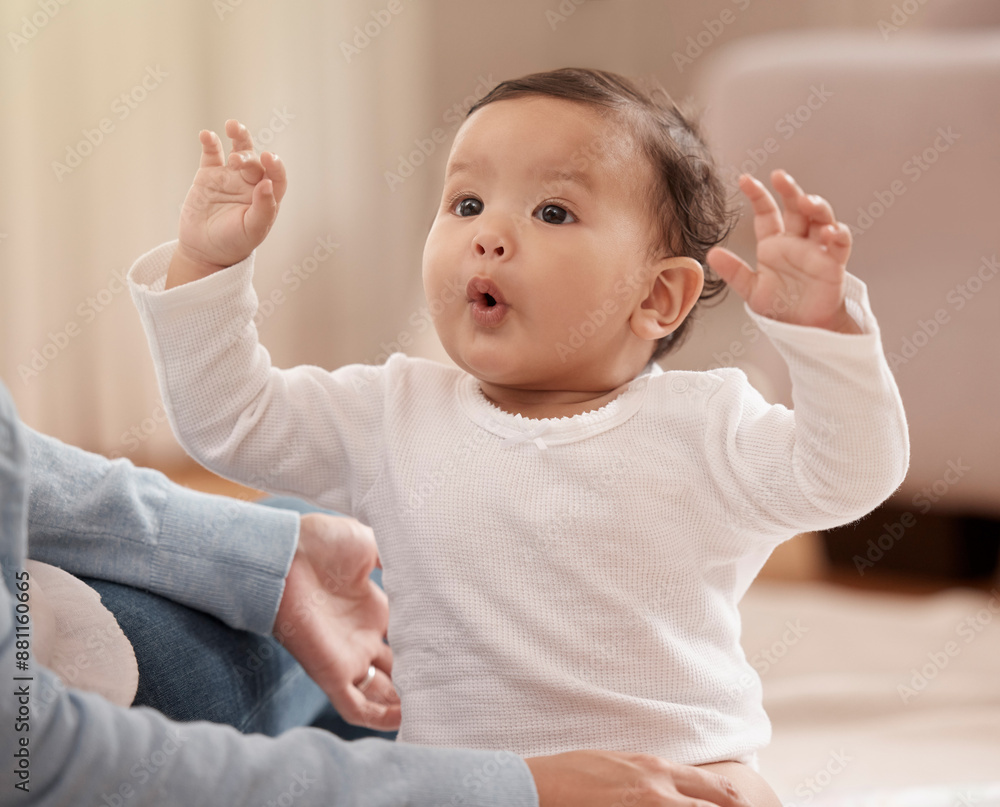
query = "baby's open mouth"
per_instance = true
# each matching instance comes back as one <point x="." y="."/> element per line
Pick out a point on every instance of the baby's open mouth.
<point x="485" y="291"/>
<point x="486" y="301"/>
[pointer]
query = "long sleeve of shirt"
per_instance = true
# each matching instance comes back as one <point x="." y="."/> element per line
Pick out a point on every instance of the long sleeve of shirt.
<point x="110" y="520"/>
<point x="65" y="747"/>
<point x="837" y="454"/>
<point x="302" y="431"/>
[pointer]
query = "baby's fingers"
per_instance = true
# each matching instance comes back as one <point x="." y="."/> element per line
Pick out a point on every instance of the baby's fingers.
<point x="837" y="240"/>
<point x="240" y="135"/>
<point x="766" y="215"/>
<point x="250" y="168"/>
<point x="733" y="269"/>
<point x="816" y="209"/>
<point x="212" y="155"/>
<point x="804" y="213"/>
<point x="796" y="203"/>
<point x="263" y="210"/>
<point x="274" y="169"/>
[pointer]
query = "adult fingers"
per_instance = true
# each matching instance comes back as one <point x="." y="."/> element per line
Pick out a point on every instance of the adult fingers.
<point x="707" y="787"/>
<point x="382" y="658"/>
<point x="376" y="706"/>
<point x="383" y="700"/>
<point x="381" y="692"/>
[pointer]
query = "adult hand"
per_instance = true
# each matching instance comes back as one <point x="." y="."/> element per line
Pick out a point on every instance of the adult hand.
<point x="603" y="778"/>
<point x="332" y="619"/>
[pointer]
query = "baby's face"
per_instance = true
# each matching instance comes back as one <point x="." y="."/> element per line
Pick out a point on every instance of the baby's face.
<point x="536" y="257"/>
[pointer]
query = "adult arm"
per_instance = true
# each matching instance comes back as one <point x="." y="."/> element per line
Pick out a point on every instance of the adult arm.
<point x="255" y="568"/>
<point x="108" y="519"/>
<point x="80" y="749"/>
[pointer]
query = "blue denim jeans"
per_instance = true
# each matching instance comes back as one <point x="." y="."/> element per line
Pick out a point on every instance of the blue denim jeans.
<point x="194" y="667"/>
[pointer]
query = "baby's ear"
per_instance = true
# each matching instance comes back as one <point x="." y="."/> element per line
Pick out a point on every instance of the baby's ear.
<point x="675" y="289"/>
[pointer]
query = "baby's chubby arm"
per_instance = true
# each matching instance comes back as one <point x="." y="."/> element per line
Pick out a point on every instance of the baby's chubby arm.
<point x="845" y="447"/>
<point x="230" y="208"/>
<point x="303" y="430"/>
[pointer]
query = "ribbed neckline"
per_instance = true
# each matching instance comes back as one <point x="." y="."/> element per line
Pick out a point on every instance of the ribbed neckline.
<point x="544" y="432"/>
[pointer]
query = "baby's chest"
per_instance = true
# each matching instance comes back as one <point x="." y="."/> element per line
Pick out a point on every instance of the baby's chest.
<point x="520" y="518"/>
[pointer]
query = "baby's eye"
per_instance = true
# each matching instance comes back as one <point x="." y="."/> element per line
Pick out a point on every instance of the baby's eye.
<point x="469" y="206"/>
<point x="554" y="214"/>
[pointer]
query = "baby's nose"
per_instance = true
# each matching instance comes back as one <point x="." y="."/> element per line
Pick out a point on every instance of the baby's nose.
<point x="482" y="248"/>
<point x="493" y="237"/>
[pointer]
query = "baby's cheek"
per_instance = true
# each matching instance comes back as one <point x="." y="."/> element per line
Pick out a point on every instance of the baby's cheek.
<point x="432" y="259"/>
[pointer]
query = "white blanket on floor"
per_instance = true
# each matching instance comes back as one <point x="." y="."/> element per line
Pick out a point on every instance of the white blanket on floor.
<point x="870" y="691"/>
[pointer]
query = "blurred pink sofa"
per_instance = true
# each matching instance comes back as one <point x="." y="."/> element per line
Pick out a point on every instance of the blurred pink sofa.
<point x="900" y="130"/>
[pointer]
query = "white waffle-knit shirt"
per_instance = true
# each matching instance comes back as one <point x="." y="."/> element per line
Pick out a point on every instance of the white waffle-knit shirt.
<point x="554" y="584"/>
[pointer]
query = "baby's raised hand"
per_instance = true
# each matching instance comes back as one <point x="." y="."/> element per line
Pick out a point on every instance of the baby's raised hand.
<point x="230" y="207"/>
<point x="801" y="258"/>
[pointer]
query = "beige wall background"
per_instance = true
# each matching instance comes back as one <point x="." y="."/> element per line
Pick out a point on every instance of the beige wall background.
<point x="101" y="102"/>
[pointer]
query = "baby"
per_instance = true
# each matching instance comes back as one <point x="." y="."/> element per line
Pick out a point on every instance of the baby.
<point x="566" y="529"/>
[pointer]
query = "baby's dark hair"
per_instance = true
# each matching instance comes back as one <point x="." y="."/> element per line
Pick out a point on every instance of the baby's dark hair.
<point x="688" y="198"/>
